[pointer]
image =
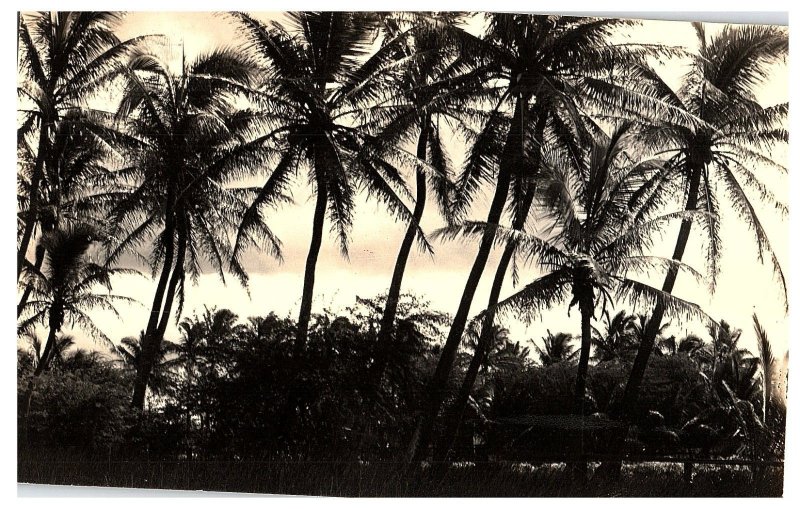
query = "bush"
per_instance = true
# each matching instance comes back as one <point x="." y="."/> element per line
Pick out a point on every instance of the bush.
<point x="86" y="406"/>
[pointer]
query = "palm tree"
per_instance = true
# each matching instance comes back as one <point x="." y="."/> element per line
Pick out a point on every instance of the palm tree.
<point x="318" y="86"/>
<point x="690" y="345"/>
<point x="183" y="184"/>
<point x="63" y="343"/>
<point x="63" y="292"/>
<point x="83" y="150"/>
<point x="619" y="339"/>
<point x="721" y="151"/>
<point x="732" y="366"/>
<point x="64" y="57"/>
<point x="537" y="62"/>
<point x="426" y="43"/>
<point x="556" y="348"/>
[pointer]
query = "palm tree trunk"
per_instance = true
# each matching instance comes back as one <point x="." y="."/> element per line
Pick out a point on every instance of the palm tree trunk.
<point x="587" y="307"/>
<point x="393" y="297"/>
<point x="311" y="266"/>
<point x="586" y="304"/>
<point x="56" y="322"/>
<point x="654" y="324"/>
<point x="33" y="201"/>
<point x="28" y="288"/>
<point x="511" y="157"/>
<point x="44" y="362"/>
<point x="485" y="339"/>
<point x="177" y="277"/>
<point x="148" y="353"/>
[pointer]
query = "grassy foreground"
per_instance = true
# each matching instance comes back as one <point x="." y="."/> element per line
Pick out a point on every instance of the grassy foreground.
<point x="350" y="479"/>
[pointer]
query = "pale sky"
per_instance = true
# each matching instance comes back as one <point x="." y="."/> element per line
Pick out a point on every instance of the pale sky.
<point x="743" y="287"/>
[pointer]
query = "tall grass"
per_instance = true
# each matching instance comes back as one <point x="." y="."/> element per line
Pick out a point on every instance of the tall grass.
<point x="386" y="479"/>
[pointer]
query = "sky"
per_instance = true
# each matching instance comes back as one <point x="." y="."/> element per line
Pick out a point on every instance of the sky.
<point x="744" y="286"/>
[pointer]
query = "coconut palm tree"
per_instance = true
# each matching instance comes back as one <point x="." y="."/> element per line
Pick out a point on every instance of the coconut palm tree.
<point x="556" y="348"/>
<point x="182" y="193"/>
<point x="318" y="81"/>
<point x="737" y="134"/>
<point x="732" y="365"/>
<point x="64" y="291"/>
<point x="426" y="43"/>
<point x="63" y="58"/>
<point x="619" y="339"/>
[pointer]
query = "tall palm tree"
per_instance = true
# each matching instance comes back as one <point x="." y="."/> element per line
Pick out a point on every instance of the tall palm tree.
<point x="182" y="193"/>
<point x="736" y="135"/>
<point x="425" y="43"/>
<point x="63" y="58"/>
<point x="318" y="81"/>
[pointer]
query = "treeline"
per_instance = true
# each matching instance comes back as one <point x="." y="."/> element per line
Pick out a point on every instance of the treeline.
<point x="564" y="128"/>
<point x="228" y="388"/>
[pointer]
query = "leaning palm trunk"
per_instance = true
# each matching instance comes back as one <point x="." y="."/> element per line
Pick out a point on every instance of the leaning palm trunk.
<point x="393" y="297"/>
<point x="512" y="155"/>
<point x="37" y="264"/>
<point x="632" y="388"/>
<point x="485" y="339"/>
<point x="151" y="342"/>
<point x="56" y="321"/>
<point x="651" y="330"/>
<point x="33" y="199"/>
<point x="481" y="352"/>
<point x="311" y="266"/>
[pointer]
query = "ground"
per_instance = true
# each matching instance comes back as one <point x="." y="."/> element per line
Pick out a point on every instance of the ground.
<point x="385" y="479"/>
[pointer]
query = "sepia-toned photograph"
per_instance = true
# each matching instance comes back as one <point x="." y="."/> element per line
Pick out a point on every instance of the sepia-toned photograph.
<point x="402" y="254"/>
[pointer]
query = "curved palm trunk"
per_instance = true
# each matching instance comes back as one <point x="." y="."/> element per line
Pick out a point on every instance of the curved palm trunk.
<point x="28" y="288"/>
<point x="311" y="267"/>
<point x="33" y="202"/>
<point x="511" y="158"/>
<point x="56" y="321"/>
<point x="177" y="277"/>
<point x="393" y="297"/>
<point x="148" y="352"/>
<point x="485" y="339"/>
<point x="651" y="330"/>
